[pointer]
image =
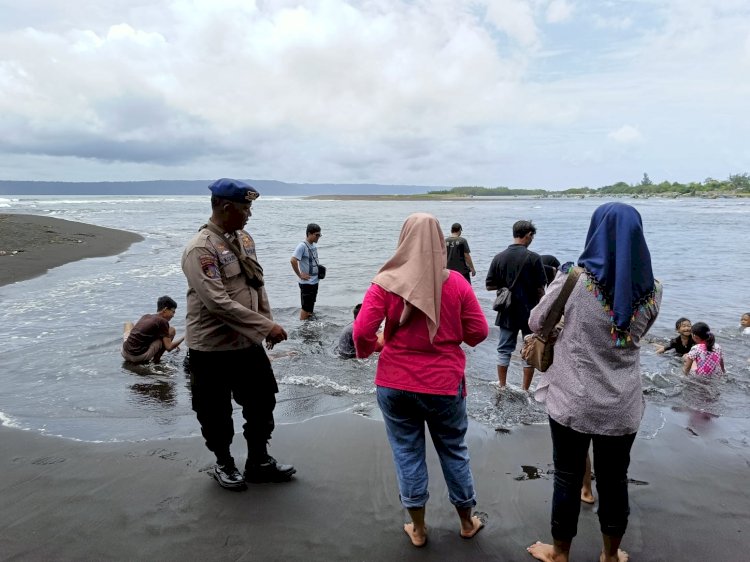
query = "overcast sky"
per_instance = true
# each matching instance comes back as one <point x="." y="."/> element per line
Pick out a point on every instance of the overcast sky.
<point x="517" y="93"/>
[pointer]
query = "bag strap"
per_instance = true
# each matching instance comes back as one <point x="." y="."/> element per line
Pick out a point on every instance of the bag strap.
<point x="313" y="256"/>
<point x="519" y="271"/>
<point x="556" y="311"/>
<point x="250" y="267"/>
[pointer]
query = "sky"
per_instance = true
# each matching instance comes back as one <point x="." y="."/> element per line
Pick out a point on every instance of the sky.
<point x="517" y="93"/>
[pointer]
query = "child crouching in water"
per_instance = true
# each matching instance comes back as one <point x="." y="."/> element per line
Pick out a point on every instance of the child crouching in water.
<point x="706" y="353"/>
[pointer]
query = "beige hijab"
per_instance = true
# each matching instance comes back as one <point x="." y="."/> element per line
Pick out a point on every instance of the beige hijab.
<point x="417" y="271"/>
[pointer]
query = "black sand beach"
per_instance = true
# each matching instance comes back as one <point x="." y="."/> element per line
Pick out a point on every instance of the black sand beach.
<point x="30" y="245"/>
<point x="65" y="500"/>
<point x="153" y="500"/>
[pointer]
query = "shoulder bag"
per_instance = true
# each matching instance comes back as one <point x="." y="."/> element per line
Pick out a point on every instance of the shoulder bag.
<point x="538" y="349"/>
<point x="504" y="295"/>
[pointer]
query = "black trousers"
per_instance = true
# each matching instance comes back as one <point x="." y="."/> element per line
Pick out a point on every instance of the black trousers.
<point x="245" y="375"/>
<point x="611" y="461"/>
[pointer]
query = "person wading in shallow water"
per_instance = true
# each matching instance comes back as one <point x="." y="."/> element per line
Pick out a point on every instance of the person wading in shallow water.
<point x="521" y="271"/>
<point x="305" y="266"/>
<point x="228" y="318"/>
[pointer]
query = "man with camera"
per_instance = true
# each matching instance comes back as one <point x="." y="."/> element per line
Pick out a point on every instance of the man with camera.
<point x="307" y="267"/>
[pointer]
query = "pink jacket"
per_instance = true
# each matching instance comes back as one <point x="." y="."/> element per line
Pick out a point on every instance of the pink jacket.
<point x="409" y="361"/>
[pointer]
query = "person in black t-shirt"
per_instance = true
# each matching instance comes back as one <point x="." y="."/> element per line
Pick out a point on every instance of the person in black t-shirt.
<point x="459" y="254"/>
<point x="521" y="269"/>
<point x="683" y="342"/>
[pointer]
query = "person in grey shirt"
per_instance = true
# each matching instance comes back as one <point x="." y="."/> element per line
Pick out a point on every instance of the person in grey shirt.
<point x="345" y="347"/>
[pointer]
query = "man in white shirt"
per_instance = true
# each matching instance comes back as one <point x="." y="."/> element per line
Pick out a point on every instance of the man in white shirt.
<point x="305" y="265"/>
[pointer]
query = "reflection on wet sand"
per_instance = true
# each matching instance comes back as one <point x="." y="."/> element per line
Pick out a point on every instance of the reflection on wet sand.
<point x="154" y="386"/>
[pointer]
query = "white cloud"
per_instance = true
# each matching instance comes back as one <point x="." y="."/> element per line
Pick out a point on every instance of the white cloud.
<point x="626" y="134"/>
<point x="618" y="23"/>
<point x="559" y="11"/>
<point x="488" y="92"/>
<point x="516" y="19"/>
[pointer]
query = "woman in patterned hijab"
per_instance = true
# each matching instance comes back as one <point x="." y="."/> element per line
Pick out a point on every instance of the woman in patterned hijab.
<point x="592" y="391"/>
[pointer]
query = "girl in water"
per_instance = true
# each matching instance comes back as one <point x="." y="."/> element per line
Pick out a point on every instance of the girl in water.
<point x="706" y="353"/>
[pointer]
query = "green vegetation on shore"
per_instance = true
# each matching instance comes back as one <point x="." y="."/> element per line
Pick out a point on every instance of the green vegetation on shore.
<point x="737" y="185"/>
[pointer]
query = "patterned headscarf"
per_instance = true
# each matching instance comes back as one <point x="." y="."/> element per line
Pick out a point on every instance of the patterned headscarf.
<point x="617" y="258"/>
<point x="417" y="270"/>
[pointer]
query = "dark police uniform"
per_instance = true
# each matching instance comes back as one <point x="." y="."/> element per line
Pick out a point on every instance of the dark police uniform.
<point x="228" y="318"/>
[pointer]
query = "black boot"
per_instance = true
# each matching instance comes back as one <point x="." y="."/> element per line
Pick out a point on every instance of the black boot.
<point x="227" y="475"/>
<point x="268" y="471"/>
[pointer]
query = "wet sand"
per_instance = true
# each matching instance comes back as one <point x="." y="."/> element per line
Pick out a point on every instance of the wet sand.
<point x="67" y="500"/>
<point x="30" y="245"/>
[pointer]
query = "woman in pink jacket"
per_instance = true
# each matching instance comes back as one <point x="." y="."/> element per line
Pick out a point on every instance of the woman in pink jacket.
<point x="429" y="312"/>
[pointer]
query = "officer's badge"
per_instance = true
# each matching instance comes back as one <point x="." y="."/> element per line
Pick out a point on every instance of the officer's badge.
<point x="251" y="195"/>
<point x="248" y="244"/>
<point x="210" y="267"/>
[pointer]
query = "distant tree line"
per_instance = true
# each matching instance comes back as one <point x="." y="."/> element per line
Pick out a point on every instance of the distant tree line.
<point x="736" y="184"/>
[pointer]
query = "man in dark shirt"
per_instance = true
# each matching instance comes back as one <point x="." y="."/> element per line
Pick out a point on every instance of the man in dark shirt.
<point x="520" y="269"/>
<point x="152" y="335"/>
<point x="459" y="258"/>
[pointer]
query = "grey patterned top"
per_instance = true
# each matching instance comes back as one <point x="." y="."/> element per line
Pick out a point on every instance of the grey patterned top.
<point x="592" y="386"/>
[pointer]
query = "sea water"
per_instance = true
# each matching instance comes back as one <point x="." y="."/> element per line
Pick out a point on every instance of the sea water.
<point x="62" y="373"/>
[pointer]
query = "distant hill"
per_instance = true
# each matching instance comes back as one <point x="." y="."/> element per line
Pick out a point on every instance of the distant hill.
<point x="199" y="187"/>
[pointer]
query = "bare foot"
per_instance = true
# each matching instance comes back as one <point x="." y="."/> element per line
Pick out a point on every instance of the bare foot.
<point x="587" y="496"/>
<point x="418" y="539"/>
<point x="546" y="552"/>
<point x="621" y="556"/>
<point x="477" y="522"/>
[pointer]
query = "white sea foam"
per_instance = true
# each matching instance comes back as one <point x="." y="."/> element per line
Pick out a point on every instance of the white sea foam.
<point x="323" y="382"/>
<point x="9" y="421"/>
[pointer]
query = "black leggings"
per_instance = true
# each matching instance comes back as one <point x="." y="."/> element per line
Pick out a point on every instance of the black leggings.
<point x="611" y="461"/>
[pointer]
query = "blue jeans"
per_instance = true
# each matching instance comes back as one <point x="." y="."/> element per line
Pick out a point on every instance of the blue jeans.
<point x="506" y="346"/>
<point x="611" y="461"/>
<point x="405" y="414"/>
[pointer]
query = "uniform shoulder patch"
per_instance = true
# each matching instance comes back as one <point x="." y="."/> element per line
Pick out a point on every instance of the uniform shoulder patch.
<point x="210" y="266"/>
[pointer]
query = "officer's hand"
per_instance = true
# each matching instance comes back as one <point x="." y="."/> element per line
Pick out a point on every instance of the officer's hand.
<point x="276" y="335"/>
<point x="304" y="276"/>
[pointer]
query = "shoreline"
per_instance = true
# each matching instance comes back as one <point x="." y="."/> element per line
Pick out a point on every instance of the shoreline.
<point x="155" y="500"/>
<point x="31" y="245"/>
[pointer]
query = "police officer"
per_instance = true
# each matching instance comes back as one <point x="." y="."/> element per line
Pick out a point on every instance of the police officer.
<point x="228" y="318"/>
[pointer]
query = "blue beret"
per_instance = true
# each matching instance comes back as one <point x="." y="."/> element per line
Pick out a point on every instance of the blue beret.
<point x="234" y="190"/>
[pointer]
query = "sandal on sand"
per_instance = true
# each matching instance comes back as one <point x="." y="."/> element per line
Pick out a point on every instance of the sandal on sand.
<point x="482" y="516"/>
<point x="412" y="540"/>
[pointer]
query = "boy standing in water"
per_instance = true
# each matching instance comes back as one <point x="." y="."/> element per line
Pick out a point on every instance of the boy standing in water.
<point x="683" y="342"/>
<point x="152" y="335"/>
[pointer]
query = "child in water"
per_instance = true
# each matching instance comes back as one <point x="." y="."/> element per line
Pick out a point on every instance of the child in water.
<point x="745" y="324"/>
<point x="706" y="353"/>
<point x="345" y="347"/>
<point x="683" y="342"/>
